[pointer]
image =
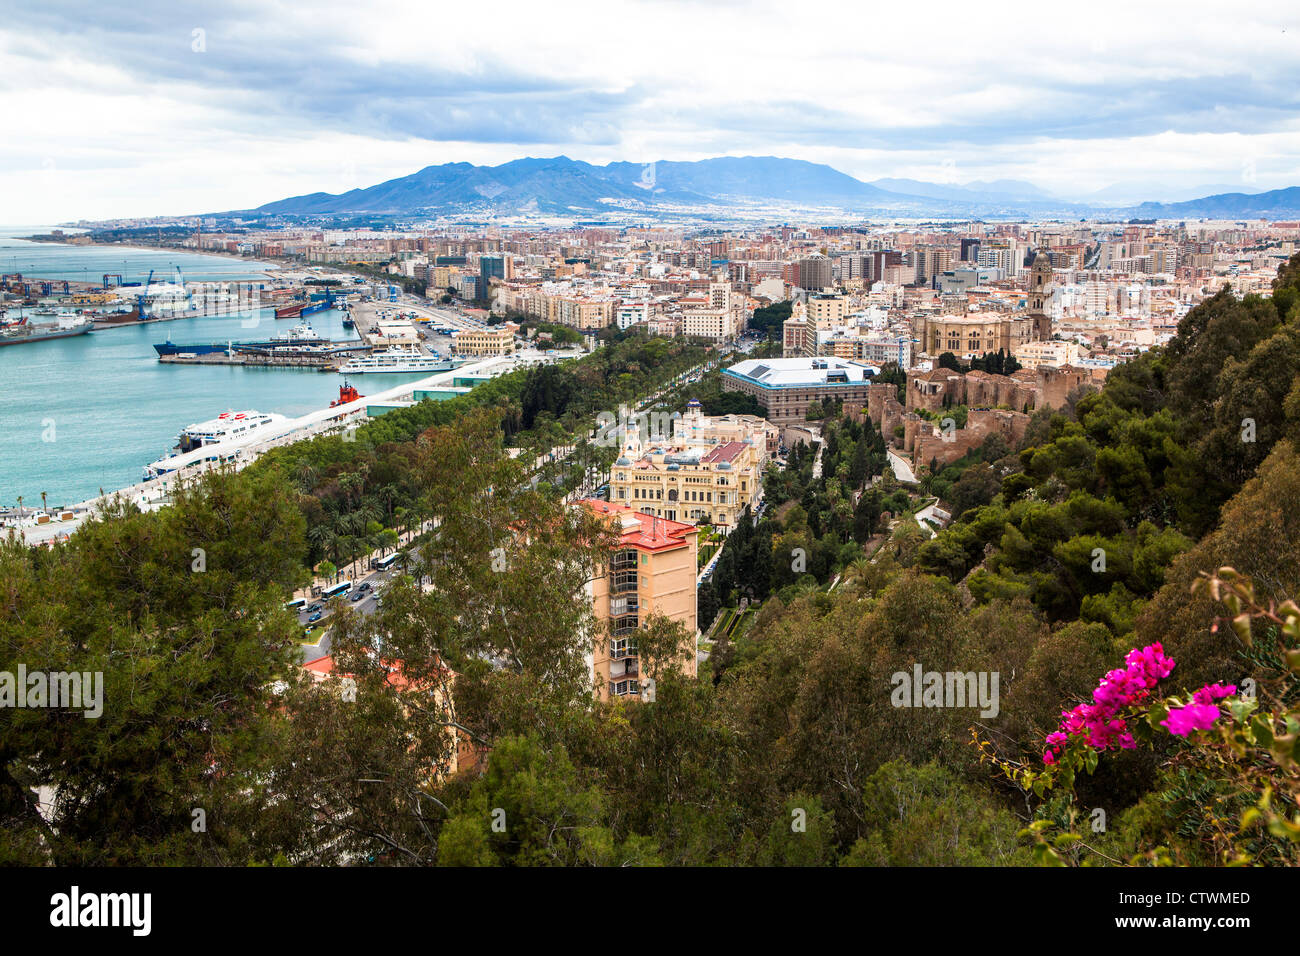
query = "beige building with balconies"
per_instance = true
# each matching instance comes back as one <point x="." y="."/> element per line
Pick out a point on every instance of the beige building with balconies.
<point x="651" y="571"/>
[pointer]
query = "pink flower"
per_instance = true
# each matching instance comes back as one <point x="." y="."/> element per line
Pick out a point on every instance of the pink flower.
<point x="1099" y="721"/>
<point x="1211" y="693"/>
<point x="1183" y="720"/>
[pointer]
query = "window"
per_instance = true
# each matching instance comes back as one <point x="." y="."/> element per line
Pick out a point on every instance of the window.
<point x="624" y="688"/>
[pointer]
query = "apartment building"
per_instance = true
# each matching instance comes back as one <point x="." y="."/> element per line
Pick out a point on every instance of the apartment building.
<point x="716" y="325"/>
<point x="827" y="310"/>
<point x="814" y="273"/>
<point x="652" y="570"/>
<point x="1057" y="354"/>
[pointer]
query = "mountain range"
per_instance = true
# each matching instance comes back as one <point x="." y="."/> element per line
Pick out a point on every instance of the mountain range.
<point x="563" y="187"/>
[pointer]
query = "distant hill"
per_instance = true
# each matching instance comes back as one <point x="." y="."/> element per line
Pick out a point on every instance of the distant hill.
<point x="1139" y="191"/>
<point x="564" y="187"/>
<point x="1274" y="204"/>
<point x="1000" y="190"/>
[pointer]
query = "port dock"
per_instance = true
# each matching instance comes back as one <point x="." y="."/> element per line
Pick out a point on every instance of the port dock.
<point x="326" y="361"/>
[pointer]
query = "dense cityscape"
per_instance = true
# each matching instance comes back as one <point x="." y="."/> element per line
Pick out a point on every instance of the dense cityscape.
<point x="721" y="510"/>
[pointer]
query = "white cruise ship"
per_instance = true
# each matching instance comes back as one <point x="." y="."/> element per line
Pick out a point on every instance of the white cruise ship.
<point x="397" y="359"/>
<point x="223" y="433"/>
<point x="227" y="426"/>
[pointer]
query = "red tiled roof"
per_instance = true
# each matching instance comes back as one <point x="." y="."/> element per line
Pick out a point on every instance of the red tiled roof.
<point x="651" y="533"/>
<point x="727" y="451"/>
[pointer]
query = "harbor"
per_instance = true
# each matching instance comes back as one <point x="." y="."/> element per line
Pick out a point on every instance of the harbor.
<point x="91" y="408"/>
<point x="47" y="526"/>
<point x="86" y="411"/>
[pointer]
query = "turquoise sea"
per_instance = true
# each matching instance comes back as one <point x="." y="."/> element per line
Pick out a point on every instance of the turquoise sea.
<point x="109" y="406"/>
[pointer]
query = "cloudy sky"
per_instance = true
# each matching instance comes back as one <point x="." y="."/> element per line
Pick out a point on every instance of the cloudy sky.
<point x="164" y="107"/>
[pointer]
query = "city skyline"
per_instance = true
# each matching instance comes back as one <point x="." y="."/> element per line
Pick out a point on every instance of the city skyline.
<point x="182" y="112"/>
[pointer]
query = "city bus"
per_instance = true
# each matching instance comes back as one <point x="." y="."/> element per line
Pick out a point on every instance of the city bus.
<point x="343" y="587"/>
<point x="296" y="605"/>
<point x="386" y="562"/>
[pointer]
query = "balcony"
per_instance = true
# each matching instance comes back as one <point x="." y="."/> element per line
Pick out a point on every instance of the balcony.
<point x="624" y="688"/>
<point x="622" y="648"/>
<point x="631" y="667"/>
<point x="622" y="582"/>
<point x="618" y="607"/>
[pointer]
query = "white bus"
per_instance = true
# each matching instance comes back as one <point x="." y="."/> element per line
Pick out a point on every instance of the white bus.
<point x="343" y="587"/>
<point x="296" y="605"/>
<point x="386" y="562"/>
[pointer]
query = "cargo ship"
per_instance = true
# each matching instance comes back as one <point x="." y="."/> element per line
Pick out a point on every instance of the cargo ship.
<point x="299" y="337"/>
<point x="298" y="310"/>
<point x="21" y="332"/>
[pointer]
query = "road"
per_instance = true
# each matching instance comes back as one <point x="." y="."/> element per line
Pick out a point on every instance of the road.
<point x="902" y="470"/>
<point x="365" y="607"/>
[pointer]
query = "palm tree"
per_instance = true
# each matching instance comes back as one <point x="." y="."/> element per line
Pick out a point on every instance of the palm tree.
<point x="855" y="575"/>
<point x="321" y="536"/>
<point x="807" y="585"/>
<point x="43" y="505"/>
<point x="307" y="476"/>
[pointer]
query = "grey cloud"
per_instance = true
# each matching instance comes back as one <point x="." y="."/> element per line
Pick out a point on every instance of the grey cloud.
<point x="263" y="74"/>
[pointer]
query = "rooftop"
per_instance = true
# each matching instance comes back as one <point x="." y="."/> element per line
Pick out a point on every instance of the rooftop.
<point x="643" y="531"/>
<point x="793" y="372"/>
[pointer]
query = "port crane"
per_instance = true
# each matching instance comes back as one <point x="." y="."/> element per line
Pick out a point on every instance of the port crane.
<point x="142" y="300"/>
<point x="189" y="295"/>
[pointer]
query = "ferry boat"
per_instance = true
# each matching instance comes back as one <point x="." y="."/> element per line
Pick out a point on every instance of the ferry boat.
<point x="398" y="359"/>
<point x="213" y="443"/>
<point x="227" y="426"/>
